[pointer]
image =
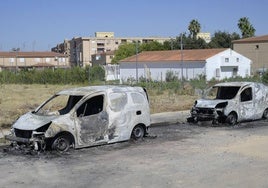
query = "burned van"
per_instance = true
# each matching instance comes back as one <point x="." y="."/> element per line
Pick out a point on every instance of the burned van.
<point x="232" y="102"/>
<point x="82" y="117"/>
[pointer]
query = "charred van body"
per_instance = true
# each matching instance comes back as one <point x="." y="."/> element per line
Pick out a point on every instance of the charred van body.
<point x="85" y="116"/>
<point x="232" y="102"/>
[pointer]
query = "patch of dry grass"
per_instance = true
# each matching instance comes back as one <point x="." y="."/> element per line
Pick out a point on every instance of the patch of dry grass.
<point x="16" y="100"/>
<point x="170" y="101"/>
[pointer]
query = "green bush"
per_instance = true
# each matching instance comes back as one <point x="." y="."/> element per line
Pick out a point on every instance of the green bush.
<point x="96" y="76"/>
<point x="96" y="73"/>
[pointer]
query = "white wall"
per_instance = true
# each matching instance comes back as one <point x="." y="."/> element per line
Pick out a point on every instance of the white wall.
<point x="157" y="70"/>
<point x="236" y="60"/>
<point x="190" y="70"/>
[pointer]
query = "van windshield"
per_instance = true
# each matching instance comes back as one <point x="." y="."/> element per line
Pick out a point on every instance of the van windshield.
<point x="58" y="105"/>
<point x="222" y="92"/>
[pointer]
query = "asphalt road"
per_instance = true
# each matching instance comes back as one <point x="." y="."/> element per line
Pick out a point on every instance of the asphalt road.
<point x="178" y="155"/>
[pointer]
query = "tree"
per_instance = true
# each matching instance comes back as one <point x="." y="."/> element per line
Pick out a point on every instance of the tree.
<point x="187" y="42"/>
<point x="222" y="39"/>
<point x="129" y="49"/>
<point x="97" y="73"/>
<point x="194" y="28"/>
<point x="152" y="46"/>
<point x="246" y="27"/>
<point x="125" y="50"/>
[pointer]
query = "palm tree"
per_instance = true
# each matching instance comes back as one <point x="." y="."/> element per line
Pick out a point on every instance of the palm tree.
<point x="246" y="27"/>
<point x="194" y="28"/>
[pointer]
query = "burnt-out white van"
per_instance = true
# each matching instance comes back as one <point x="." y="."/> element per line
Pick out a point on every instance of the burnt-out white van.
<point x="232" y="102"/>
<point x="82" y="117"/>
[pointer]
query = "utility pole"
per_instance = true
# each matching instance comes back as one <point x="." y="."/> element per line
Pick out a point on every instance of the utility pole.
<point x="137" y="73"/>
<point x="181" y="58"/>
<point x="16" y="50"/>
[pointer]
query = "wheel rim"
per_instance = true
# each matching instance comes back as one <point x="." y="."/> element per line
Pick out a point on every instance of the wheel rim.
<point x="61" y="144"/>
<point x="138" y="132"/>
<point x="232" y="119"/>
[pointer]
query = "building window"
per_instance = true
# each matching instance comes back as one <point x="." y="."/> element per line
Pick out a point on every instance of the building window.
<point x="226" y="60"/>
<point x="123" y="41"/>
<point x="218" y="72"/>
<point x="100" y="50"/>
<point x="11" y="60"/>
<point x="47" y="60"/>
<point x="100" y="44"/>
<point x="237" y="59"/>
<point x="98" y="57"/>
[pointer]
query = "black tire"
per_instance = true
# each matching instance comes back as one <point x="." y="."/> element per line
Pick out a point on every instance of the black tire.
<point x="138" y="132"/>
<point x="215" y="122"/>
<point x="231" y="119"/>
<point x="61" y="144"/>
<point x="192" y="120"/>
<point x="265" y="114"/>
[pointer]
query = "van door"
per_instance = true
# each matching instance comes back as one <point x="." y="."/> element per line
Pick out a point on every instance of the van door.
<point x="92" y="120"/>
<point x="246" y="107"/>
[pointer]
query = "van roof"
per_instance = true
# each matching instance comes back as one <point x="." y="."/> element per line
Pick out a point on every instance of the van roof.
<point x="93" y="89"/>
<point x="233" y="84"/>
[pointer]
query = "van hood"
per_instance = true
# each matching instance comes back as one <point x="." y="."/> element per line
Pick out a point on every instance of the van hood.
<point x="30" y="121"/>
<point x="208" y="103"/>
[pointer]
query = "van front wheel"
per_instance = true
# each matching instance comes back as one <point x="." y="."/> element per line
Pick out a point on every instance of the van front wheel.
<point x="231" y="119"/>
<point x="138" y="132"/>
<point x="61" y="144"/>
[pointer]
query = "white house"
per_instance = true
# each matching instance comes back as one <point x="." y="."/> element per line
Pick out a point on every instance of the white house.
<point x="187" y="64"/>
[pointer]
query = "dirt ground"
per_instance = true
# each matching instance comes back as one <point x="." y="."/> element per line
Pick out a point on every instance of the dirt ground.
<point x="179" y="155"/>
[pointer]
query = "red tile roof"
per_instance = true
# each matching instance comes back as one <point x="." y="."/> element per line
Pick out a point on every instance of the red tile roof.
<point x="31" y="54"/>
<point x="174" y="55"/>
<point x="263" y="38"/>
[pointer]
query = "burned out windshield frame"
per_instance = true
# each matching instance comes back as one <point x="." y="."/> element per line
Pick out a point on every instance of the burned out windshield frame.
<point x="227" y="92"/>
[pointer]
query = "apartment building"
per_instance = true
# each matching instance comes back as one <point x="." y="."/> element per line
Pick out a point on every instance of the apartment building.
<point x="256" y="49"/>
<point x="205" y="36"/>
<point x="81" y="49"/>
<point x="21" y="60"/>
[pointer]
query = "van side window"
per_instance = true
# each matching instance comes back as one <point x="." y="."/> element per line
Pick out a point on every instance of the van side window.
<point x="118" y="101"/>
<point x="70" y="104"/>
<point x="92" y="106"/>
<point x="137" y="98"/>
<point x="246" y="95"/>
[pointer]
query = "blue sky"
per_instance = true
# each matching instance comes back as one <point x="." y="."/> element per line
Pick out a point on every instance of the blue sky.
<point x="41" y="24"/>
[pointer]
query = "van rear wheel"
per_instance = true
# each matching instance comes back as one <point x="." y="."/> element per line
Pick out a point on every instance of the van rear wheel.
<point x="265" y="114"/>
<point x="138" y="132"/>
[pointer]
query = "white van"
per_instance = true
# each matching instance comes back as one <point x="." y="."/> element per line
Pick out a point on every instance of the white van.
<point x="232" y="102"/>
<point x="85" y="116"/>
